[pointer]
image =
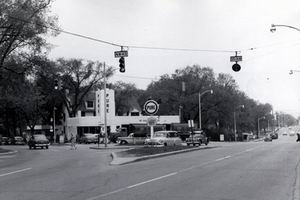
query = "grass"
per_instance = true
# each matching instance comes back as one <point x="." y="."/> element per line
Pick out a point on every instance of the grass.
<point x="145" y="151"/>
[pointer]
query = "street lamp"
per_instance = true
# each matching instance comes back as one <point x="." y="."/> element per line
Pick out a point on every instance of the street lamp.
<point x="273" y="27"/>
<point x="293" y="71"/>
<point x="258" y="125"/>
<point x="200" y="95"/>
<point x="234" y="120"/>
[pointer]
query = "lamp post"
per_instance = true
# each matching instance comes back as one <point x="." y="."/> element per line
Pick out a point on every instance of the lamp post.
<point x="201" y="94"/>
<point x="258" y="125"/>
<point x="234" y="120"/>
<point x="292" y="71"/>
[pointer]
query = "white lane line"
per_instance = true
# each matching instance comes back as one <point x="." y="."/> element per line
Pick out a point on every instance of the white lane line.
<point x="131" y="186"/>
<point x="223" y="158"/>
<point x="14" y="172"/>
<point x="7" y="156"/>
<point x="165" y="176"/>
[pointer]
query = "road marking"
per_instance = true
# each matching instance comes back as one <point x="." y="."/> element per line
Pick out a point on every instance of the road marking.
<point x="223" y="158"/>
<point x="7" y="156"/>
<point x="165" y="176"/>
<point x="14" y="172"/>
<point x="132" y="186"/>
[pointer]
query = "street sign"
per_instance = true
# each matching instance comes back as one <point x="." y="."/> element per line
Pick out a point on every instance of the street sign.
<point x="191" y="123"/>
<point x="151" y="107"/>
<point x="235" y="58"/>
<point x="152" y="121"/>
<point x="119" y="54"/>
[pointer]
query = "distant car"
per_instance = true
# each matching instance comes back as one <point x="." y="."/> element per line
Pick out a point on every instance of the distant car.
<point x="18" y="141"/>
<point x="5" y="140"/>
<point x="131" y="139"/>
<point x="284" y="133"/>
<point x="274" y="136"/>
<point x="88" y="138"/>
<point x="166" y="138"/>
<point x="197" y="138"/>
<point x="38" y="141"/>
<point x="292" y="133"/>
<point x="268" y="138"/>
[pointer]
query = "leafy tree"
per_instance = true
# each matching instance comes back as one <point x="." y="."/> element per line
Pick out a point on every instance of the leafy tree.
<point x="22" y="24"/>
<point x="78" y="78"/>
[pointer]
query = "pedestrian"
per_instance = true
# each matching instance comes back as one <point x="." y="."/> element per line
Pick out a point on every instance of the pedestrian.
<point x="298" y="137"/>
<point x="73" y="142"/>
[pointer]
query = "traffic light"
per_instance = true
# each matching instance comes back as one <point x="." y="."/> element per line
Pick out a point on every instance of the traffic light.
<point x="236" y="67"/>
<point x="56" y="84"/>
<point x="122" y="64"/>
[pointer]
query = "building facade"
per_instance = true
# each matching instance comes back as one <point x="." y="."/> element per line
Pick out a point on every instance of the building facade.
<point x="90" y="119"/>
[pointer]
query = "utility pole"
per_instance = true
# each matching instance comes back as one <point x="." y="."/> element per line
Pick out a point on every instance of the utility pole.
<point x="104" y="103"/>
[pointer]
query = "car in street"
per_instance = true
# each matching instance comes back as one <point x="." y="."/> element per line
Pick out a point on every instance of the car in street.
<point x="197" y="138"/>
<point x="274" y="135"/>
<point x="292" y="133"/>
<point x="17" y="140"/>
<point x="38" y="141"/>
<point x="88" y="138"/>
<point x="166" y="138"/>
<point x="5" y="141"/>
<point x="131" y="139"/>
<point x="268" y="138"/>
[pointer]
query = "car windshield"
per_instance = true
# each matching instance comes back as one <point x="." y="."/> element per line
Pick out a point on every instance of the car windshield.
<point x="160" y="134"/>
<point x="40" y="137"/>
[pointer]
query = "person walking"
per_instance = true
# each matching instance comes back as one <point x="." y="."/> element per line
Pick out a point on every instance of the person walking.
<point x="298" y="137"/>
<point x="73" y="142"/>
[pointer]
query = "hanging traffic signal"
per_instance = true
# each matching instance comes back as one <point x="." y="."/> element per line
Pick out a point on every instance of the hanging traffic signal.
<point x="122" y="64"/>
<point x="236" y="67"/>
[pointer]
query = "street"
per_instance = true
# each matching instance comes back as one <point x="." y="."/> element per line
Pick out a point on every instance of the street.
<point x="242" y="170"/>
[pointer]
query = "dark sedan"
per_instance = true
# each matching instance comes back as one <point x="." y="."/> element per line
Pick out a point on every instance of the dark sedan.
<point x="38" y="141"/>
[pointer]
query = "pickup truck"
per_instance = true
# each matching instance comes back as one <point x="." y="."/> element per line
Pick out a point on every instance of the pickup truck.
<point x="131" y="139"/>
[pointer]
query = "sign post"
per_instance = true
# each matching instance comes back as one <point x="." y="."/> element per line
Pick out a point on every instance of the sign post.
<point x="151" y="107"/>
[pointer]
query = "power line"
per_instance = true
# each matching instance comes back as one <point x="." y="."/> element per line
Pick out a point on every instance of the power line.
<point x="127" y="46"/>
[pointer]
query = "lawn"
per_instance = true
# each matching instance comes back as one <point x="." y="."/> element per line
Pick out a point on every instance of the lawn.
<point x="144" y="151"/>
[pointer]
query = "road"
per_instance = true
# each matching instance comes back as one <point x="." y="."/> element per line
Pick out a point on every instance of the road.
<point x="229" y="171"/>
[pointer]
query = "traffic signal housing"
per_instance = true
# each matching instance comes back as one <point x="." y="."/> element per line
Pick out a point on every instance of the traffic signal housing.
<point x="122" y="64"/>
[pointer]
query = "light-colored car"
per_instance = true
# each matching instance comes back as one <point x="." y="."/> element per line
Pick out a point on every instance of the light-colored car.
<point x="166" y="138"/>
<point x="88" y="138"/>
<point x="292" y="133"/>
<point x="197" y="138"/>
<point x="131" y="139"/>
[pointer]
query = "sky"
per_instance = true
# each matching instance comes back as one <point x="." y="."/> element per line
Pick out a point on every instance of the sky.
<point x="223" y="25"/>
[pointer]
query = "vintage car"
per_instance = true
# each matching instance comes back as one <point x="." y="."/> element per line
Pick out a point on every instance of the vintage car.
<point x="88" y="138"/>
<point x="197" y="138"/>
<point x="166" y="138"/>
<point x="38" y="141"/>
<point x="131" y="139"/>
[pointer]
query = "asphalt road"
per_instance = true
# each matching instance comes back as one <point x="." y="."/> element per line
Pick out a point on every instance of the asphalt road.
<point x="230" y="171"/>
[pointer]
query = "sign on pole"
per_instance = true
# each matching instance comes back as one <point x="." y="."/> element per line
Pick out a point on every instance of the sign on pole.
<point x="119" y="54"/>
<point x="235" y="58"/>
<point x="151" y="107"/>
<point x="191" y="123"/>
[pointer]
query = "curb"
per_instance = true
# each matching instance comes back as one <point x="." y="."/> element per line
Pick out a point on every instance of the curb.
<point x="126" y="160"/>
<point x="9" y="152"/>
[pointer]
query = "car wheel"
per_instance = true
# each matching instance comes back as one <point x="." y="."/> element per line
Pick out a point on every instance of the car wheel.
<point x="30" y="147"/>
<point x="188" y="145"/>
<point x="42" y="147"/>
<point x="47" y="147"/>
<point x="34" y="147"/>
<point x="165" y="144"/>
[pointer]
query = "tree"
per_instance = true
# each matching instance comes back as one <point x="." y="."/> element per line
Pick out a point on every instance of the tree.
<point x="78" y="78"/>
<point x="22" y="24"/>
<point x="126" y="97"/>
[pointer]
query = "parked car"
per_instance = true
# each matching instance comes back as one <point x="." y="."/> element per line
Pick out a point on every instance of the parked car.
<point x="5" y="140"/>
<point x="38" y="141"/>
<point x="274" y="136"/>
<point x="88" y="138"/>
<point x="131" y="139"/>
<point x="197" y="138"/>
<point x="166" y="138"/>
<point x="17" y="140"/>
<point x="268" y="138"/>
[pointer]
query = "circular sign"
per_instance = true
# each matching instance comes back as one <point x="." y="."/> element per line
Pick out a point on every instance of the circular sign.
<point x="151" y="107"/>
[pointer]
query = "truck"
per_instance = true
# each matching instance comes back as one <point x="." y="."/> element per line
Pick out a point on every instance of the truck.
<point x="131" y="139"/>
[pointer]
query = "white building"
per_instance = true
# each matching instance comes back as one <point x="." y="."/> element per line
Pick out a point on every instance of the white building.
<point x="92" y="119"/>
